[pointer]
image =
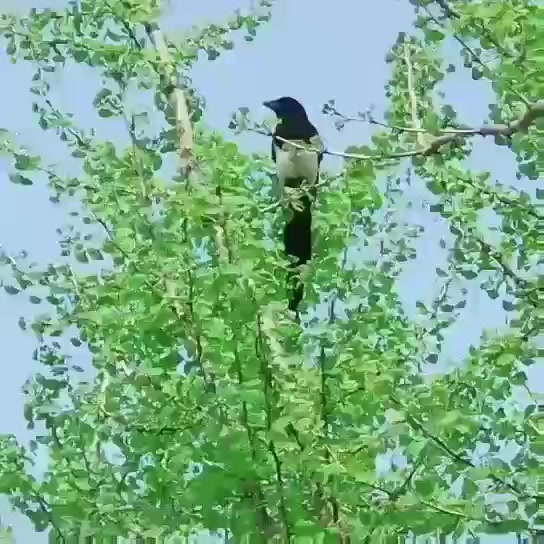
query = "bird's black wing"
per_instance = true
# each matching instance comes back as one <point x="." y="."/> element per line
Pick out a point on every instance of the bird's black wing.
<point x="273" y="150"/>
<point x="319" y="155"/>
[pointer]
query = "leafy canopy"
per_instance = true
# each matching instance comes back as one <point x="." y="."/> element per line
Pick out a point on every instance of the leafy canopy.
<point x="208" y="407"/>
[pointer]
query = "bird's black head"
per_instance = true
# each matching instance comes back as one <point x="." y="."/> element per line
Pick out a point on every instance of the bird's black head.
<point x="285" y="107"/>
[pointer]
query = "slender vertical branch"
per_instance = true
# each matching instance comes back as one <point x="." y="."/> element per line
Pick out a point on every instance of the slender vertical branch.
<point x="131" y="128"/>
<point x="267" y="381"/>
<point x="177" y="97"/>
<point x="416" y="124"/>
<point x="264" y="523"/>
<point x="183" y="125"/>
<point x="185" y="150"/>
<point x="324" y="413"/>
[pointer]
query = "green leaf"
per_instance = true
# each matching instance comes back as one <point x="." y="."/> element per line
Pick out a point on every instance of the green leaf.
<point x="476" y="73"/>
<point x="20" y="180"/>
<point x="11" y="47"/>
<point x="503" y="527"/>
<point x="10" y="290"/>
<point x="434" y="35"/>
<point x="81" y="256"/>
<point x="469" y="274"/>
<point x="331" y="469"/>
<point x="529" y="169"/>
<point x="95" y="254"/>
<point x="102" y="95"/>
<point x="432" y="358"/>
<point x="105" y="112"/>
<point x="425" y="488"/>
<point x="508" y="306"/>
<point x="25" y="162"/>
<point x="151" y="371"/>
<point x="435" y="187"/>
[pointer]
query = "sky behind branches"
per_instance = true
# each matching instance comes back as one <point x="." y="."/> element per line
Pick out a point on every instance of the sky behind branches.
<point x="313" y="50"/>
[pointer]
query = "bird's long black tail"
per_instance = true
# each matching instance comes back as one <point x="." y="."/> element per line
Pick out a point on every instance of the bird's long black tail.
<point x="297" y="238"/>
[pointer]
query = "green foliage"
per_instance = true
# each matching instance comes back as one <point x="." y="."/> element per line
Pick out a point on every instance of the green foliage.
<point x="210" y="408"/>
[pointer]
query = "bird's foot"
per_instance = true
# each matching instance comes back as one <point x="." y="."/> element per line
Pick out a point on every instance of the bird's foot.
<point x="294" y="315"/>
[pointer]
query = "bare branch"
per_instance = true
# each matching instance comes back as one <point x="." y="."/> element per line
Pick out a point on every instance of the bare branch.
<point x="459" y="130"/>
<point x="177" y="96"/>
<point x="533" y="112"/>
<point x="412" y="94"/>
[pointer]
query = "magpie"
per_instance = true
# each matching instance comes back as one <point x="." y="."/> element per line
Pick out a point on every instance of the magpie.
<point x="296" y="168"/>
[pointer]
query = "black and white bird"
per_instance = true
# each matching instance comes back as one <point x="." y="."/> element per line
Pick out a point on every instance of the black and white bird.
<point x="296" y="168"/>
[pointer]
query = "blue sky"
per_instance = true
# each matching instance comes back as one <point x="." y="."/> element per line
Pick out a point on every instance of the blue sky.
<point x="312" y="50"/>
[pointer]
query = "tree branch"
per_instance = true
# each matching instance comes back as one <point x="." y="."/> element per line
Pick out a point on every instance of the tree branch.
<point x="264" y="522"/>
<point x="267" y="384"/>
<point x="177" y="96"/>
<point x="416" y="424"/>
<point x="443" y="510"/>
<point x="412" y="95"/>
<point x="474" y="55"/>
<point x="533" y="112"/>
<point x="452" y="13"/>
<point x="460" y="131"/>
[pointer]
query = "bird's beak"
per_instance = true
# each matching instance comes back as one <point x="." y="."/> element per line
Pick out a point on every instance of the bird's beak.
<point x="270" y="104"/>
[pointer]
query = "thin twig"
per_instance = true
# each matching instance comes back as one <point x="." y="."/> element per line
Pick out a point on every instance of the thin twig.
<point x="131" y="129"/>
<point x="452" y="13"/>
<point x="444" y="510"/>
<point x="459" y="131"/>
<point x="132" y="36"/>
<point x="44" y="507"/>
<point x="416" y="424"/>
<point x="522" y="124"/>
<point x="79" y="139"/>
<point x="519" y="282"/>
<point x="503" y="199"/>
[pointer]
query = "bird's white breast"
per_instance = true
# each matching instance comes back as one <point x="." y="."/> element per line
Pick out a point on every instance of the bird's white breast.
<point x="296" y="163"/>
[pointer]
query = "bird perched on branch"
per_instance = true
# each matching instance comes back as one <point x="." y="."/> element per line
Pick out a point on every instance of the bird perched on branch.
<point x="299" y="169"/>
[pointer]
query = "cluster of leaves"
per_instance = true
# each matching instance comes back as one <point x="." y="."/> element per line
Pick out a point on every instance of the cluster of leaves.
<point x="210" y="409"/>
